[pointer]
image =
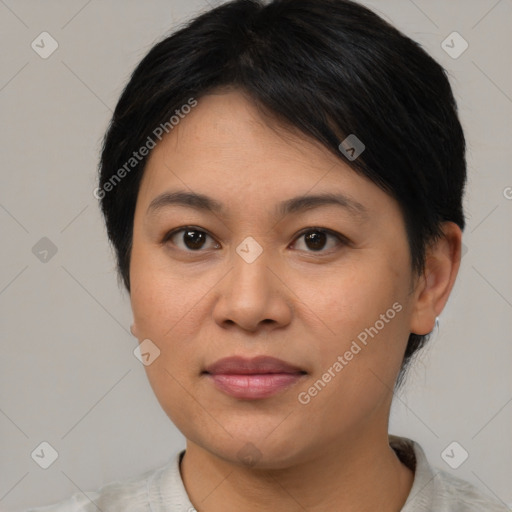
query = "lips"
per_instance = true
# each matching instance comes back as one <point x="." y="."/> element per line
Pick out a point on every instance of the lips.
<point x="251" y="379"/>
<point x="256" y="365"/>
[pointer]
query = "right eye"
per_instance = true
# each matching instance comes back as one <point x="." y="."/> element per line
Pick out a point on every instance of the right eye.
<point x="191" y="239"/>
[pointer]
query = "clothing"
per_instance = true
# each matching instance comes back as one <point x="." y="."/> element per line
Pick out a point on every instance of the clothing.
<point x="162" y="490"/>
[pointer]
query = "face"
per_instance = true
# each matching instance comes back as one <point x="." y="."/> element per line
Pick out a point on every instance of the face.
<point x="324" y="285"/>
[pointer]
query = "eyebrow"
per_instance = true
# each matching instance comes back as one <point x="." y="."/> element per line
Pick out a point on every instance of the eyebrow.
<point x="293" y="205"/>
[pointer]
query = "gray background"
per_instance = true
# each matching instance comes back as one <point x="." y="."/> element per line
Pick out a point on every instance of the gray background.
<point x="68" y="375"/>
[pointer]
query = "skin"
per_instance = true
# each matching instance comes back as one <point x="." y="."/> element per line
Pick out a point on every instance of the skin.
<point x="294" y="303"/>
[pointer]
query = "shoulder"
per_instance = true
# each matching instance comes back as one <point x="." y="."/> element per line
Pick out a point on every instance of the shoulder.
<point x="129" y="495"/>
<point x="459" y="495"/>
<point x="136" y="494"/>
<point x="436" y="489"/>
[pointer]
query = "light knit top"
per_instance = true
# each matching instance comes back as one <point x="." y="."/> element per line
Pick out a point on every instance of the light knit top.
<point x="162" y="490"/>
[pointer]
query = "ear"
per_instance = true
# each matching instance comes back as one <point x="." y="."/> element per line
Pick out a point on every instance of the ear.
<point x="433" y="288"/>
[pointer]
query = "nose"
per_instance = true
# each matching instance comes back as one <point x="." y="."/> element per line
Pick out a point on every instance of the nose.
<point x="253" y="297"/>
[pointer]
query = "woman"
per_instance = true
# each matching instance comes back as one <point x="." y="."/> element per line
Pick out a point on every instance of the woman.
<point x="283" y="187"/>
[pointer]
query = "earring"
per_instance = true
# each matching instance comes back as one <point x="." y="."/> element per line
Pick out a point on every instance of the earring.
<point x="435" y="331"/>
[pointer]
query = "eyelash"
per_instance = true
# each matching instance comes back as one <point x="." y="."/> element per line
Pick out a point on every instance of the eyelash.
<point x="342" y="240"/>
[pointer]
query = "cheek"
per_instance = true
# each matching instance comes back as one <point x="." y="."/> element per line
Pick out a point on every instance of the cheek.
<point x="158" y="297"/>
<point x="163" y="310"/>
<point x="168" y="308"/>
<point x="361" y="353"/>
<point x="349" y="301"/>
<point x="366" y="323"/>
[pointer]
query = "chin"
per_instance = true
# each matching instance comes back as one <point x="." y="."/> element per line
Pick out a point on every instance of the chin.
<point x="256" y="451"/>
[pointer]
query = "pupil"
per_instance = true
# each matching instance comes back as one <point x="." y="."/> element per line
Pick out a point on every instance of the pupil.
<point x="315" y="240"/>
<point x="194" y="242"/>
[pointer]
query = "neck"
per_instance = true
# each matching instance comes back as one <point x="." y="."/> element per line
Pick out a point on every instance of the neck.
<point x="361" y="474"/>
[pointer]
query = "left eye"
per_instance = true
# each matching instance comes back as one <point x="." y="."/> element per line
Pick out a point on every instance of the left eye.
<point x="316" y="239"/>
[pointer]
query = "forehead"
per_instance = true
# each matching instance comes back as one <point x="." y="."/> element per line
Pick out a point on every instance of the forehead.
<point x="227" y="150"/>
<point x="229" y="125"/>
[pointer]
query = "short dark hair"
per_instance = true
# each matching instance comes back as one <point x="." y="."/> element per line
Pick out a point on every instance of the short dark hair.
<point x="329" y="68"/>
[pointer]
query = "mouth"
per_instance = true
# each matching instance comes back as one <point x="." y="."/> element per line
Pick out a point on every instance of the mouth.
<point x="253" y="379"/>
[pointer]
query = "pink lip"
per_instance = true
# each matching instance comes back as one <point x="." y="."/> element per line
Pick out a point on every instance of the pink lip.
<point x="252" y="379"/>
